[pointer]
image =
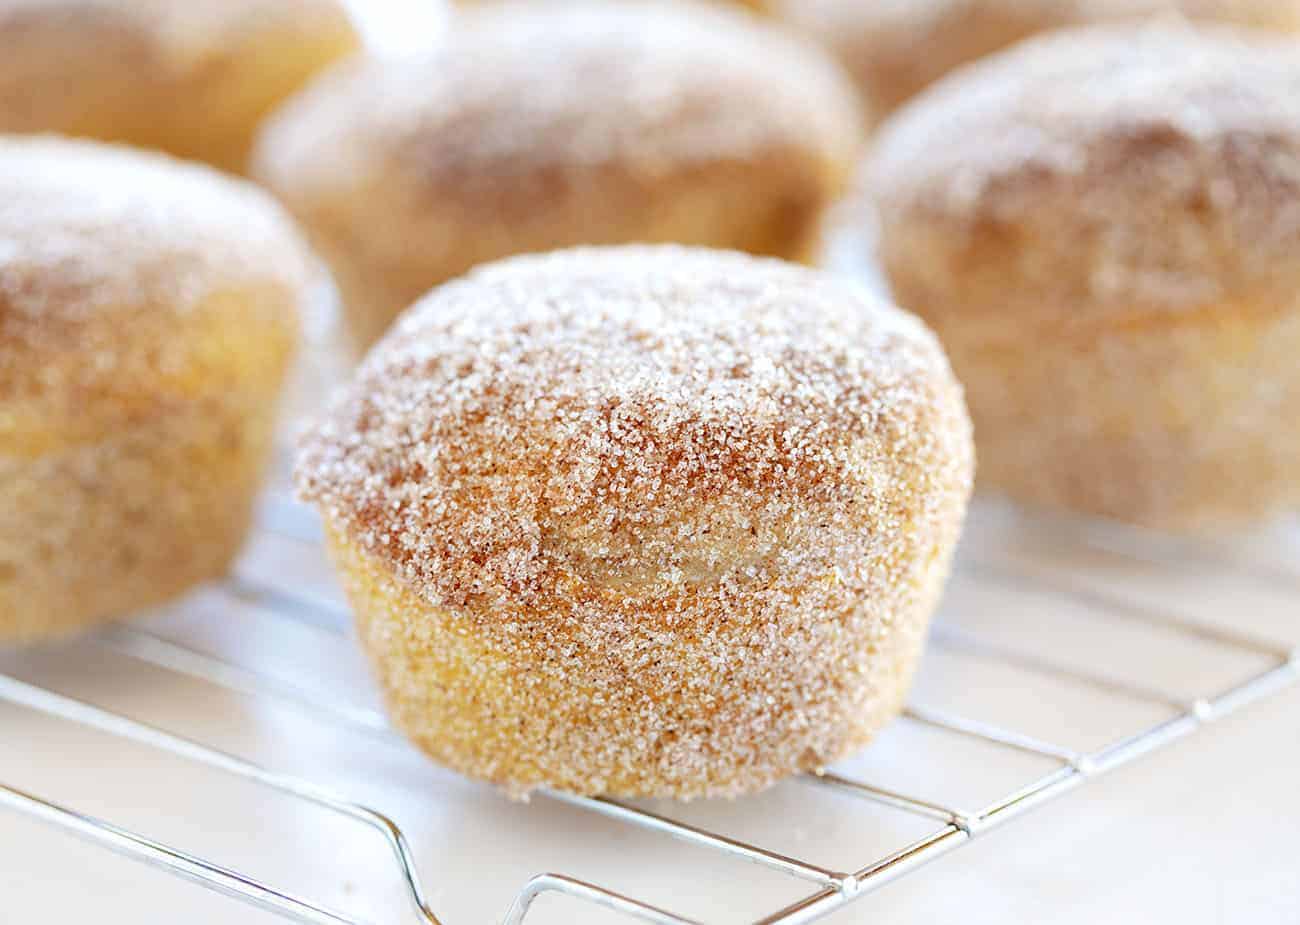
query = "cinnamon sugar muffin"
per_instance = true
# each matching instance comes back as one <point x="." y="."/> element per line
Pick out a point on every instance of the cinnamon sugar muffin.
<point x="147" y="314"/>
<point x="189" y="77"/>
<point x="895" y="48"/>
<point x="644" y="521"/>
<point x="539" y="126"/>
<point x="1104" y="228"/>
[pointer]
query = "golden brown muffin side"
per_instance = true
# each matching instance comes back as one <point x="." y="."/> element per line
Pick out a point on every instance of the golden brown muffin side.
<point x="694" y="508"/>
<point x="148" y="313"/>
<point x="896" y="48"/>
<point x="101" y="529"/>
<point x="1102" y="226"/>
<point x="537" y="128"/>
<point x="1183" y="424"/>
<point x="193" y="79"/>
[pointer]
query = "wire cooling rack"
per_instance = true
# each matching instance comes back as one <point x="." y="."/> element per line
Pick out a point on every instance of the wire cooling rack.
<point x="1058" y="609"/>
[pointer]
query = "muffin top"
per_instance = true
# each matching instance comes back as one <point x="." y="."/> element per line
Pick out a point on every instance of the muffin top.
<point x="114" y="69"/>
<point x="121" y="271"/>
<point x="900" y="46"/>
<point x="625" y="426"/>
<point x="1100" y="172"/>
<point x="527" y="89"/>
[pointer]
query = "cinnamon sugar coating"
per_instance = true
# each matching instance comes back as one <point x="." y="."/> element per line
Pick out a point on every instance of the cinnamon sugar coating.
<point x="1103" y="227"/>
<point x="544" y="125"/>
<point x="148" y="312"/>
<point x="644" y="520"/>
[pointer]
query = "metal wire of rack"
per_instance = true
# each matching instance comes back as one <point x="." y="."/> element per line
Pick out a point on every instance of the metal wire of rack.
<point x="829" y="889"/>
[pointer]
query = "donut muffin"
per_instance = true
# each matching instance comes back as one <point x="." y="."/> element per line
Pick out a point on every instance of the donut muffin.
<point x="1104" y="228"/>
<point x="539" y="126"/>
<point x="192" y="78"/>
<point x="895" y="48"/>
<point x="644" y="521"/>
<point x="147" y="313"/>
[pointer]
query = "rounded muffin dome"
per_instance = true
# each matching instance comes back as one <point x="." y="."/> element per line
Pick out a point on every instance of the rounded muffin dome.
<point x="125" y="275"/>
<point x="190" y="77"/>
<point x="1110" y="170"/>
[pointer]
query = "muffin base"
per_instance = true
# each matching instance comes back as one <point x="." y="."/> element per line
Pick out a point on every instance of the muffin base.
<point x="1188" y="423"/>
<point x="475" y="700"/>
<point x="92" y="531"/>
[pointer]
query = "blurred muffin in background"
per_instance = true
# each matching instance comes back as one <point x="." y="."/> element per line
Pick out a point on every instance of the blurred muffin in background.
<point x="190" y="77"/>
<point x="543" y="125"/>
<point x="149" y="309"/>
<point x="1103" y="227"/>
<point x="895" y="48"/>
